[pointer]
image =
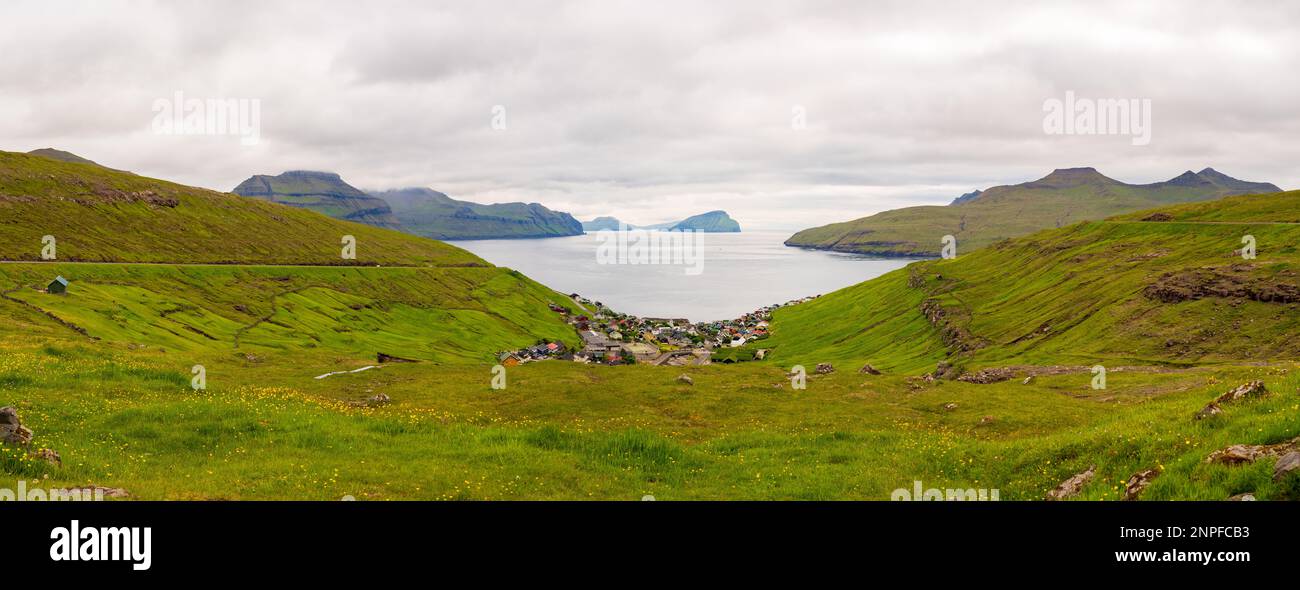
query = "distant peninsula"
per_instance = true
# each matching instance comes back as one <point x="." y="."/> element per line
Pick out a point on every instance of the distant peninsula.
<point x="432" y="214"/>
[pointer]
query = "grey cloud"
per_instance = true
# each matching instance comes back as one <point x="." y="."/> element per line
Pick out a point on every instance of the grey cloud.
<point x="652" y="111"/>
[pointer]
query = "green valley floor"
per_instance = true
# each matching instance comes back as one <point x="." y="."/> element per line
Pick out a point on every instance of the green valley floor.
<point x="267" y="428"/>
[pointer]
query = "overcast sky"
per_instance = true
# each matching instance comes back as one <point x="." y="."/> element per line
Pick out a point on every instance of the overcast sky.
<point x="655" y="110"/>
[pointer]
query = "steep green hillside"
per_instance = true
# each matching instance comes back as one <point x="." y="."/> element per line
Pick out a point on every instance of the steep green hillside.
<point x="429" y="213"/>
<point x="438" y="314"/>
<point x="976" y="220"/>
<point x="100" y="215"/>
<point x="322" y="192"/>
<point x="61" y="156"/>
<point x="1116" y="292"/>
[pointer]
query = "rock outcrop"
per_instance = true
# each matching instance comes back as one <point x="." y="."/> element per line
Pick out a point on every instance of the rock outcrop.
<point x="1073" y="485"/>
<point x="1242" y="392"/>
<point x="12" y="431"/>
<point x="1242" y="454"/>
<point x="1140" y="480"/>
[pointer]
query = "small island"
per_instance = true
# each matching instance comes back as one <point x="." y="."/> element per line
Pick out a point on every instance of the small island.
<point x="710" y="222"/>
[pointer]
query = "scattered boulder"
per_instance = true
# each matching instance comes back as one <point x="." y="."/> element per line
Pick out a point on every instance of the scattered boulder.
<point x="1288" y="463"/>
<point x="1072" y="486"/>
<point x="94" y="490"/>
<point x="986" y="376"/>
<point x="1243" y="391"/>
<point x="1241" y="454"/>
<point x="685" y="379"/>
<point x="944" y="370"/>
<point x="1139" y="482"/>
<point x="50" y="456"/>
<point x="1246" y="497"/>
<point x="950" y="406"/>
<point x="1236" y="454"/>
<point x="1028" y="380"/>
<point x="379" y="399"/>
<point x="12" y="430"/>
<point x="869" y="370"/>
<point x="987" y="420"/>
<point x="825" y="368"/>
<point x="761" y="353"/>
<point x="1209" y="411"/>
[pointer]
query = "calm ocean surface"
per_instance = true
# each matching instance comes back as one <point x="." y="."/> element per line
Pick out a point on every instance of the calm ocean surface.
<point x="740" y="272"/>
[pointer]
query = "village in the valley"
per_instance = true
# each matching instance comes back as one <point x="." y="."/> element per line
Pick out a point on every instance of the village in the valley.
<point x="617" y="339"/>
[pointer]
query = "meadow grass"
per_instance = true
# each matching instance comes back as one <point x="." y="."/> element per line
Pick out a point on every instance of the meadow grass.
<point x="268" y="430"/>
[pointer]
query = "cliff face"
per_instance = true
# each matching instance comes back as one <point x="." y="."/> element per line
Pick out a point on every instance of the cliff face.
<point x="429" y="213"/>
<point x="322" y="192"/>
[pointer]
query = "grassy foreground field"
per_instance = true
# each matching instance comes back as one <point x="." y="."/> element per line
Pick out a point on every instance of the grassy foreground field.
<point x="268" y="430"/>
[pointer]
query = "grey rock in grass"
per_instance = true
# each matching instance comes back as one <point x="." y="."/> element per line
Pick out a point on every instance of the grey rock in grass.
<point x="1288" y="463"/>
<point x="11" y="429"/>
<point x="1139" y="482"/>
<point x="1073" y="485"/>
<point x="1209" y="411"/>
<point x="50" y="456"/>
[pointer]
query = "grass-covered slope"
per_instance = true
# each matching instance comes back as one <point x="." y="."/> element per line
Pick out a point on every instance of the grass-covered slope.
<point x="1063" y="197"/>
<point x="102" y="215"/>
<point x="429" y="213"/>
<point x="1121" y="291"/>
<point x="322" y="192"/>
<point x="437" y="314"/>
<point x="62" y="156"/>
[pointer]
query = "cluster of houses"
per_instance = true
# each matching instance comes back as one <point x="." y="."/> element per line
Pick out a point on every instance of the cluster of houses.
<point x="616" y="338"/>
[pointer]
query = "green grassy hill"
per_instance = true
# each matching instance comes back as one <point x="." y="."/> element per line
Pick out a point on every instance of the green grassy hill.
<point x="1168" y="291"/>
<point x="102" y="215"/>
<point x="202" y="288"/>
<point x="322" y="192"/>
<point x="434" y="314"/>
<point x="1061" y="198"/>
<point x="61" y="156"/>
<point x="429" y="213"/>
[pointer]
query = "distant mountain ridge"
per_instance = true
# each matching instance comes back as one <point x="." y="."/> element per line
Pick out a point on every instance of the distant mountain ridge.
<point x="711" y="222"/>
<point x="322" y="192"/>
<point x="426" y="212"/>
<point x="979" y="218"/>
